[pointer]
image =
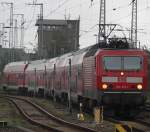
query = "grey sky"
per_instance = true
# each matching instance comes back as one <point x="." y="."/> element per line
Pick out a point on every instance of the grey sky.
<point x="89" y="15"/>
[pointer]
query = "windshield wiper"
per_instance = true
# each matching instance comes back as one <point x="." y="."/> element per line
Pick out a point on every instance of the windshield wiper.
<point x="105" y="66"/>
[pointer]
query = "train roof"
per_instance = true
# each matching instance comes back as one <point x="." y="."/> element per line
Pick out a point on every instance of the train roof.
<point x="130" y="50"/>
<point x="79" y="55"/>
<point x="15" y="66"/>
<point x="63" y="60"/>
<point x="76" y="58"/>
<point x="36" y="62"/>
<point x="50" y="63"/>
<point x="38" y="65"/>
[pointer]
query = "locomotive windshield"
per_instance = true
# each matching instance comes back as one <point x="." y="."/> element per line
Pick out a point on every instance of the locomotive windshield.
<point x="122" y="63"/>
<point x="112" y="63"/>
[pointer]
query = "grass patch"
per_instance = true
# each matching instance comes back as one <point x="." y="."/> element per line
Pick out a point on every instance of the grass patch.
<point x="51" y="107"/>
<point x="10" y="114"/>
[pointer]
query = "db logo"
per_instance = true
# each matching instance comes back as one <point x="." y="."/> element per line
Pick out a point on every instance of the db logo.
<point x="121" y="79"/>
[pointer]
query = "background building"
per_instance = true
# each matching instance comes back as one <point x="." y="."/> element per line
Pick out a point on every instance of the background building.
<point x="56" y="37"/>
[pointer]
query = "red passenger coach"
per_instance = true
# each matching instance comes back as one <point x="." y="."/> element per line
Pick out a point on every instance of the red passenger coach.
<point x="35" y="76"/>
<point x="14" y="76"/>
<point x="122" y="76"/>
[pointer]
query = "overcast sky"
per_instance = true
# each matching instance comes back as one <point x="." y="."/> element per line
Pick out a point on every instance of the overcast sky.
<point x="118" y="11"/>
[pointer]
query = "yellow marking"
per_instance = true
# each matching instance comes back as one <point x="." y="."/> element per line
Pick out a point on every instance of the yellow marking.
<point x="98" y="114"/>
<point x="119" y="128"/>
<point x="81" y="117"/>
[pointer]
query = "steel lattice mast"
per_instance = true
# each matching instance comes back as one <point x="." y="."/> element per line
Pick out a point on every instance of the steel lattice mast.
<point x="102" y="22"/>
<point x="22" y="30"/>
<point x="134" y="24"/>
<point x="42" y="53"/>
<point x="11" y="31"/>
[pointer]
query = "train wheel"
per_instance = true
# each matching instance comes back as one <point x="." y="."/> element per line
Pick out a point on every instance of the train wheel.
<point x="41" y="92"/>
<point x="4" y="88"/>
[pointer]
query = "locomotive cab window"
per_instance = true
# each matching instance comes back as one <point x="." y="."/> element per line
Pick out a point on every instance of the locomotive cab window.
<point x="122" y="62"/>
<point x="112" y="63"/>
<point x="132" y="63"/>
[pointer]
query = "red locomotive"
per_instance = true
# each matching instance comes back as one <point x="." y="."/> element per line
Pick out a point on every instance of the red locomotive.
<point x="95" y="76"/>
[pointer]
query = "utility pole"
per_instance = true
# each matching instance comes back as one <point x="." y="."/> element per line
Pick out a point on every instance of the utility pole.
<point x="11" y="25"/>
<point x="15" y="34"/>
<point x="45" y="81"/>
<point x="35" y="82"/>
<point x="10" y="29"/>
<point x="42" y="50"/>
<point x="2" y="33"/>
<point x="69" y="88"/>
<point x="54" y="84"/>
<point x="102" y="22"/>
<point x="134" y="24"/>
<point x="22" y="30"/>
<point x="76" y="34"/>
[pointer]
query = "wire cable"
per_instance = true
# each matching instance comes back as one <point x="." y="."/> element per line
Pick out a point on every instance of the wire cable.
<point x="58" y="7"/>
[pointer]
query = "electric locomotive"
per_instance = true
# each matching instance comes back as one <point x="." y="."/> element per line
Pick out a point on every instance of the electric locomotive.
<point x="115" y="77"/>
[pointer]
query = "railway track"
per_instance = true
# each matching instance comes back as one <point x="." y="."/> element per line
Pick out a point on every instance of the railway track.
<point x="138" y="125"/>
<point x="40" y="117"/>
<point x="145" y="120"/>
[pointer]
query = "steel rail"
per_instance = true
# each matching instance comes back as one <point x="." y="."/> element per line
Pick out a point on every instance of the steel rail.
<point x="72" y="125"/>
<point x="134" y="129"/>
<point x="31" y="120"/>
<point x="143" y="122"/>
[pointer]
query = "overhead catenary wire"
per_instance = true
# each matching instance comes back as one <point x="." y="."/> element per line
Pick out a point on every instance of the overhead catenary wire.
<point x="88" y="31"/>
<point x="128" y="15"/>
<point x="58" y="7"/>
<point x="32" y="20"/>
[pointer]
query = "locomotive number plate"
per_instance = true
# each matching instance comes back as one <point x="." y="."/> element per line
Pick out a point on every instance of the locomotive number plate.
<point x="122" y="86"/>
<point x="121" y="79"/>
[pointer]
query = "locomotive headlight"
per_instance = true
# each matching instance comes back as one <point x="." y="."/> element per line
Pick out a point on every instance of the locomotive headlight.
<point x="139" y="87"/>
<point x="104" y="86"/>
<point x="121" y="73"/>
